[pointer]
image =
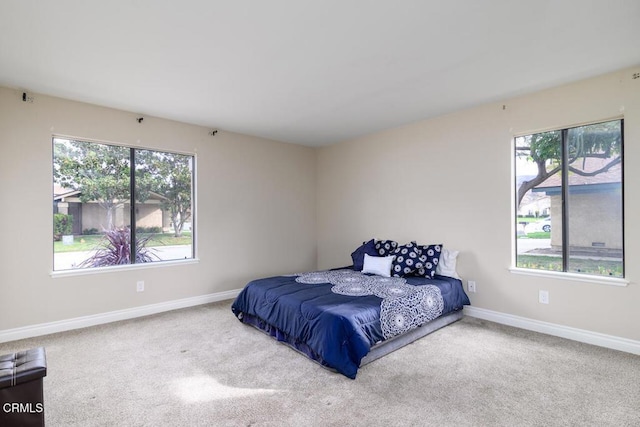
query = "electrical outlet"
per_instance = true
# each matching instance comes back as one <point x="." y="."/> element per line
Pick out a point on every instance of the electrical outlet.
<point x="543" y="297"/>
<point x="471" y="286"/>
<point x="140" y="286"/>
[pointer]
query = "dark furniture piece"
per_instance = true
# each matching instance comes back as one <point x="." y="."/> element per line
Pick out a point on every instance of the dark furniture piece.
<point x="21" y="395"/>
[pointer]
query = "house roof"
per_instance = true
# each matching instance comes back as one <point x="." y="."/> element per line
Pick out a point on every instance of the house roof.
<point x="63" y="196"/>
<point x="311" y="72"/>
<point x="60" y="193"/>
<point x="603" y="180"/>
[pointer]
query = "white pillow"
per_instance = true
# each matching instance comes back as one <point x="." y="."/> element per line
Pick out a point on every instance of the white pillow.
<point x="447" y="264"/>
<point x="380" y="265"/>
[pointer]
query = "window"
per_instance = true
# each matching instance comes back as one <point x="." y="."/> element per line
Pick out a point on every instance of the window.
<point x="100" y="190"/>
<point x="569" y="200"/>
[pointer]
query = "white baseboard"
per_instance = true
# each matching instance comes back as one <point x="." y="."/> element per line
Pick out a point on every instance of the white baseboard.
<point x="589" y="337"/>
<point x="595" y="338"/>
<point x="112" y="316"/>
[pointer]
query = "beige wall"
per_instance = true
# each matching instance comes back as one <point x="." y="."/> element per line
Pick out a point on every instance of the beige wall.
<point x="256" y="211"/>
<point x="149" y="214"/>
<point x="449" y="180"/>
<point x="594" y="217"/>
<point x="265" y="207"/>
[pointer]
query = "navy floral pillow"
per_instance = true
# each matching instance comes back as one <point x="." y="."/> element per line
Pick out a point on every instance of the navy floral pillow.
<point x="429" y="257"/>
<point x="407" y="260"/>
<point x="385" y="247"/>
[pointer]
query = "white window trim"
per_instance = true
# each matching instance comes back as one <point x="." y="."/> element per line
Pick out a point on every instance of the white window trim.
<point x="165" y="263"/>
<point x="587" y="278"/>
<point x="123" y="267"/>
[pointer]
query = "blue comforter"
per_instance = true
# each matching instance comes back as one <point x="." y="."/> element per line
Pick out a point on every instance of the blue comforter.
<point x="336" y="316"/>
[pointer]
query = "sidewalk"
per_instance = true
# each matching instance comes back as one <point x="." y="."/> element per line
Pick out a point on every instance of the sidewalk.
<point x="543" y="247"/>
<point x="69" y="260"/>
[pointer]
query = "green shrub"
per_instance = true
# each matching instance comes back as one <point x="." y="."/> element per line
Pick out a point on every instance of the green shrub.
<point x="62" y="225"/>
<point x="150" y="230"/>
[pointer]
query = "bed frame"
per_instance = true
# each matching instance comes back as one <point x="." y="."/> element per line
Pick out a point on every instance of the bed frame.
<point x="385" y="347"/>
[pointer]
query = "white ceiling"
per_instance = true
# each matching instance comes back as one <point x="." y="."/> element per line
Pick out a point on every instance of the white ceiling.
<point x="309" y="72"/>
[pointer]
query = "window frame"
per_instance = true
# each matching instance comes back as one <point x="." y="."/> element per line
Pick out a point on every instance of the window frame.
<point x="565" y="274"/>
<point x="133" y="265"/>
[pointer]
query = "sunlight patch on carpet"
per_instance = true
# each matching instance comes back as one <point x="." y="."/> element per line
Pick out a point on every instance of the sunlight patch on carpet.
<point x="205" y="389"/>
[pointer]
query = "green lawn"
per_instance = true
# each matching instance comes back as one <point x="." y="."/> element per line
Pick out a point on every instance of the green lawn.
<point x="520" y="219"/>
<point x="577" y="265"/>
<point x="90" y="242"/>
<point x="536" y="235"/>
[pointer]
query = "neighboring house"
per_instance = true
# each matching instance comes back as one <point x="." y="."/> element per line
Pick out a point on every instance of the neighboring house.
<point x="596" y="210"/>
<point x="91" y="215"/>
<point x="535" y="206"/>
<point x="532" y="204"/>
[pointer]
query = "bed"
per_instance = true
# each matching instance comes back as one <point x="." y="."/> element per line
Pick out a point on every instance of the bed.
<point x="344" y="318"/>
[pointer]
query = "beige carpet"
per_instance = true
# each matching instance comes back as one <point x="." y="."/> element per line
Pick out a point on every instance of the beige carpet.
<point x="200" y="366"/>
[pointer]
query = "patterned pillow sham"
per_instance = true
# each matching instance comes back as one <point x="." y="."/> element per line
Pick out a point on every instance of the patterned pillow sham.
<point x="385" y="247"/>
<point x="429" y="258"/>
<point x="407" y="260"/>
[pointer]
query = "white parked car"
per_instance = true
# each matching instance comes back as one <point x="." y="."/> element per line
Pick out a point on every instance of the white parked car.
<point x="543" y="225"/>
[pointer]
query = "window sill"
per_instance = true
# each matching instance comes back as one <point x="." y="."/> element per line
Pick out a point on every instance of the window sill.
<point x="128" y="267"/>
<point x="600" y="280"/>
